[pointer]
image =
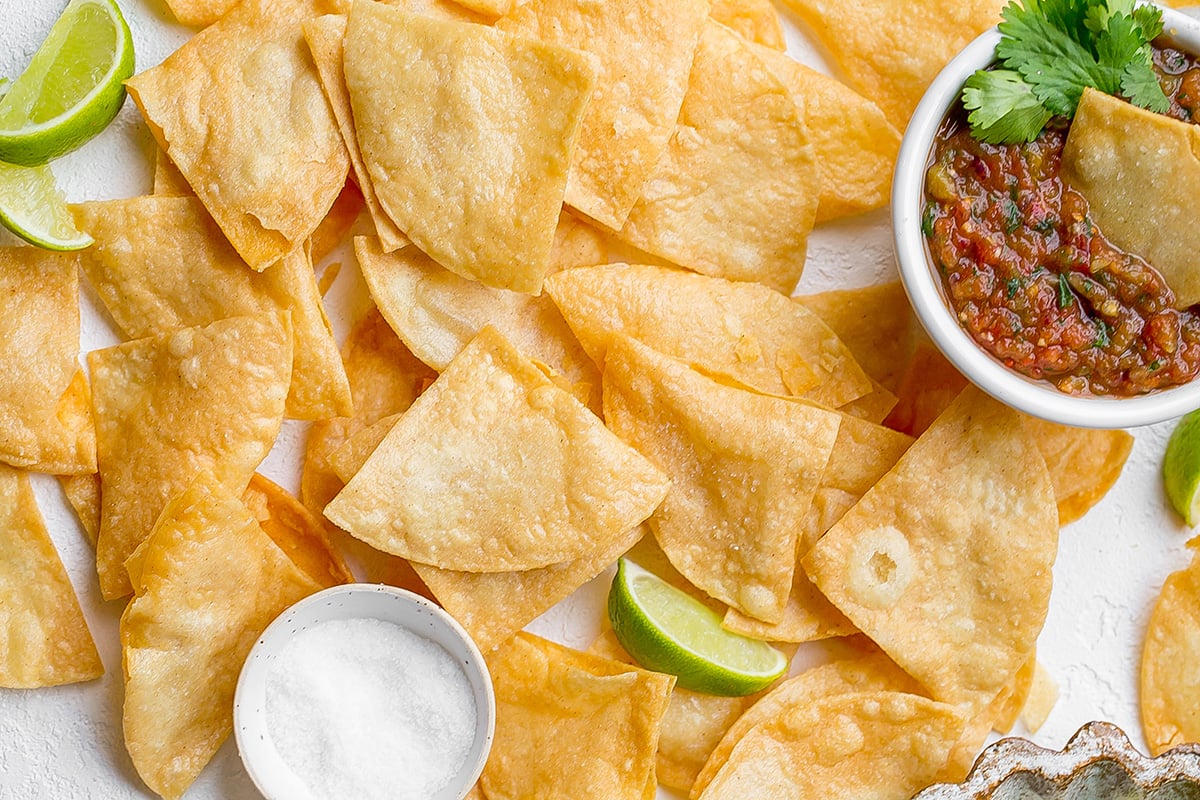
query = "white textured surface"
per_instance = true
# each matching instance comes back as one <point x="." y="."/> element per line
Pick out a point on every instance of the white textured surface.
<point x="65" y="743"/>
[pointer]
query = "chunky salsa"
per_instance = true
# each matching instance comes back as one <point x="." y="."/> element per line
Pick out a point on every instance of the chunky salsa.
<point x="1033" y="280"/>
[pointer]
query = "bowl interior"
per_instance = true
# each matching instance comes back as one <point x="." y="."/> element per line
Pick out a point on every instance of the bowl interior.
<point x="266" y="768"/>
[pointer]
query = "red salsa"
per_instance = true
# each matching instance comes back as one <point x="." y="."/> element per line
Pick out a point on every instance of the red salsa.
<point x="1034" y="281"/>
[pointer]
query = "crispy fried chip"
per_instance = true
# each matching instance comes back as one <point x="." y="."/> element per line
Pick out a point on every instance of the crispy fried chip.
<point x="337" y="223"/>
<point x="295" y="531"/>
<point x="1043" y="694"/>
<point x="83" y="494"/>
<point x="495" y="468"/>
<point x="44" y="640"/>
<point x="749" y="333"/>
<point x="862" y="37"/>
<point x="743" y="467"/>
<point x="1083" y="464"/>
<point x="160" y="263"/>
<point x="466" y="133"/>
<point x="886" y="745"/>
<point x="209" y="581"/>
<point x="736" y="194"/>
<point x="172" y="404"/>
<point x="168" y="180"/>
<point x="643" y="51"/>
<point x="969" y="506"/>
<point x="199" y="13"/>
<point x="873" y="322"/>
<point x="436" y="313"/>
<point x="874" y="407"/>
<point x="927" y="387"/>
<point x="240" y="112"/>
<point x="1170" y="679"/>
<point x="754" y="20"/>
<point x="570" y="724"/>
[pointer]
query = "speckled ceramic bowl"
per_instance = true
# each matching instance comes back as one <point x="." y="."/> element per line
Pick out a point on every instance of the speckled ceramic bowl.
<point x="1098" y="763"/>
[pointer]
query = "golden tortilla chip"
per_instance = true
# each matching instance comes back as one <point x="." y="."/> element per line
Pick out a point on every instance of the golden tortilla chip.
<point x="1043" y="694"/>
<point x="1006" y="708"/>
<point x="578" y="244"/>
<point x="295" y="531"/>
<point x="886" y="745"/>
<point x="969" y="506"/>
<point x="333" y="230"/>
<point x="643" y="53"/>
<point x="240" y="112"/>
<point x="170" y="405"/>
<point x="435" y="105"/>
<point x="1170" y="677"/>
<point x="570" y="724"/>
<point x="436" y="313"/>
<point x="83" y="495"/>
<point x="44" y="640"/>
<point x="199" y="13"/>
<point x="735" y="196"/>
<point x="743" y="468"/>
<point x="754" y="20"/>
<point x="874" y="323"/>
<point x="494" y="468"/>
<point x="874" y="407"/>
<point x="168" y="180"/>
<point x="928" y="386"/>
<point x="1083" y="464"/>
<point x="160" y="263"/>
<point x="1135" y="167"/>
<point x="210" y="581"/>
<point x="749" y="333"/>
<point x="862" y="37"/>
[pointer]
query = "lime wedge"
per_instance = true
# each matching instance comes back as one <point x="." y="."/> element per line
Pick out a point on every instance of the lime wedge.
<point x="32" y="208"/>
<point x="73" y="87"/>
<point x="666" y="630"/>
<point x="1181" y="468"/>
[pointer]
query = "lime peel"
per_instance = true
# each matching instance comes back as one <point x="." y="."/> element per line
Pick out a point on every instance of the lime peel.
<point x="1181" y="468"/>
<point x="32" y="207"/>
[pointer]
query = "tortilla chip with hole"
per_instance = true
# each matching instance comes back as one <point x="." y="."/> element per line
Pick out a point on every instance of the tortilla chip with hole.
<point x="467" y="134"/>
<point x="754" y="20"/>
<point x="161" y="263"/>
<point x="240" y="112"/>
<point x="862" y="37"/>
<point x="44" y="640"/>
<point x="436" y="313"/>
<point x="83" y="495"/>
<point x="643" y="52"/>
<point x="874" y="322"/>
<point x="743" y="469"/>
<point x="571" y="724"/>
<point x="175" y="403"/>
<point x="210" y="580"/>
<point x="735" y="196"/>
<point x="295" y="531"/>
<point x="1170" y="675"/>
<point x="970" y="506"/>
<point x="495" y="468"/>
<point x="742" y="331"/>
<point x="1084" y="464"/>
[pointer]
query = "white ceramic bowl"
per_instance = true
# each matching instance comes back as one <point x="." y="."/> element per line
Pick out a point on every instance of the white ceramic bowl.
<point x="924" y="286"/>
<point x="354" y="601"/>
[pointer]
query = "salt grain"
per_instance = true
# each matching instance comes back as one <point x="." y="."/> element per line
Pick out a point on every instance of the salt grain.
<point x="366" y="709"/>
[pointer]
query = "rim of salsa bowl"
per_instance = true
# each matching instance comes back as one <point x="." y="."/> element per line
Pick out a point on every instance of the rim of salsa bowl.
<point x="927" y="295"/>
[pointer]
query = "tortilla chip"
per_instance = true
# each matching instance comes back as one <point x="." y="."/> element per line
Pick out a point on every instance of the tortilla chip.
<point x="170" y="405"/>
<point x="1170" y="677"/>
<point x="83" y="495"/>
<point x="44" y="640"/>
<point x="743" y="467"/>
<point x="161" y="263"/>
<point x="862" y="37"/>
<point x="578" y="244"/>
<point x="754" y="20"/>
<point x="886" y="745"/>
<point x="1083" y="464"/>
<point x="928" y="386"/>
<point x="199" y="13"/>
<point x="874" y="322"/>
<point x="494" y="468"/>
<point x="69" y="445"/>
<point x="745" y="332"/>
<point x="1006" y="708"/>
<point x="295" y="531"/>
<point x="434" y="103"/>
<point x="643" y="53"/>
<point x="735" y="196"/>
<point x="168" y="180"/>
<point x="210" y="581"/>
<point x="333" y="230"/>
<point x="971" y="506"/>
<point x="1043" y="694"/>
<point x="1135" y="167"/>
<point x="436" y="313"/>
<point x="570" y="724"/>
<point x="240" y="112"/>
<point x="874" y="407"/>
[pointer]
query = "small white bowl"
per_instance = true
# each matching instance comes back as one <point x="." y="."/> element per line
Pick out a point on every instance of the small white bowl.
<point x="354" y="601"/>
<point x="924" y="286"/>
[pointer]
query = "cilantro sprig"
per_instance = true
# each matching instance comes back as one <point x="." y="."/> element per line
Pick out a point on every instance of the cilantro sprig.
<point x="1050" y="51"/>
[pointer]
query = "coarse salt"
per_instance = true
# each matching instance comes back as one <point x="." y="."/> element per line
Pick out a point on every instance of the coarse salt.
<point x="366" y="709"/>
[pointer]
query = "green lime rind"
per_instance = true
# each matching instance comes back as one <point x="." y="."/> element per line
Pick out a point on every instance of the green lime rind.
<point x="56" y="105"/>
<point x="666" y="630"/>
<point x="32" y="207"/>
<point x="1181" y="468"/>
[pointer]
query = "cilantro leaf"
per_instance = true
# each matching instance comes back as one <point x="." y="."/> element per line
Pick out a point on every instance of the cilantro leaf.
<point x="1055" y="64"/>
<point x="1003" y="107"/>
<point x="1141" y="86"/>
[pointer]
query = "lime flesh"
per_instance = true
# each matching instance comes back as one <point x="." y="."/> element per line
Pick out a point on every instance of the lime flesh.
<point x="32" y="208"/>
<point x="1181" y="468"/>
<point x="666" y="630"/>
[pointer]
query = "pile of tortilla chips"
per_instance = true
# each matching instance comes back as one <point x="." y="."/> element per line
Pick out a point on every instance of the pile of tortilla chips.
<point x="579" y="225"/>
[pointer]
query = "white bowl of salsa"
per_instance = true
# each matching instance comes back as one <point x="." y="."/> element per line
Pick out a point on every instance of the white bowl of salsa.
<point x="1073" y="371"/>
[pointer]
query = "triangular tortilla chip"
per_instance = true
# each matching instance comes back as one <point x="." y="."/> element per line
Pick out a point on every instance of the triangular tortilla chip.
<point x="495" y="468"/>
<point x="970" y="506"/>
<point x="735" y="196"/>
<point x="83" y="495"/>
<point x="199" y="13"/>
<point x="44" y="640"/>
<point x="874" y="322"/>
<point x="168" y="180"/>
<point x="240" y="112"/>
<point x="170" y="405"/>
<point x="161" y="263"/>
<point x="643" y="53"/>
<point x="210" y="581"/>
<point x="747" y="332"/>
<point x="1170" y="674"/>
<point x="435" y="105"/>
<point x="743" y="469"/>
<point x="295" y="531"/>
<point x="338" y="222"/>
<point x="1083" y="463"/>
<point x="754" y="20"/>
